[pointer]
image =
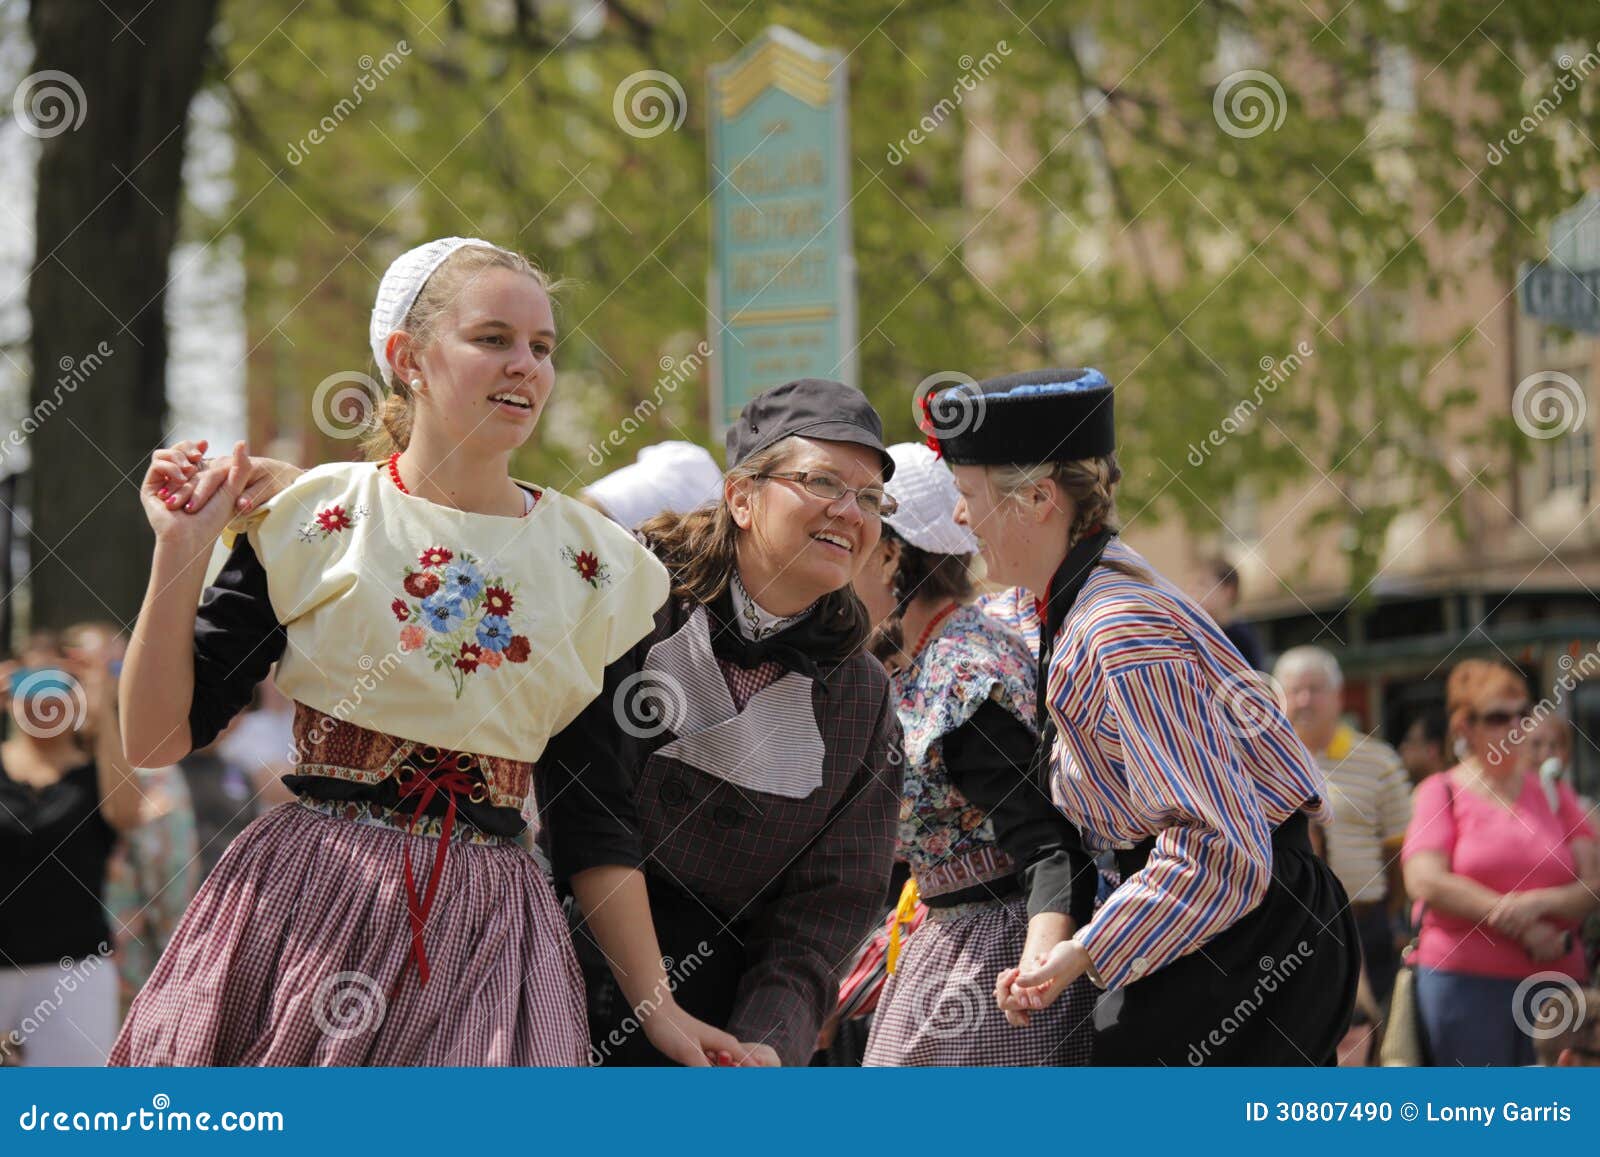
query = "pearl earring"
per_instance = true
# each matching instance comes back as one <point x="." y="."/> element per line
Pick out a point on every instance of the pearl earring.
<point x="416" y="384"/>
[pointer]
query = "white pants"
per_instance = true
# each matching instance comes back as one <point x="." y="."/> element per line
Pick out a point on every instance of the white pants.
<point x="51" y="1015"/>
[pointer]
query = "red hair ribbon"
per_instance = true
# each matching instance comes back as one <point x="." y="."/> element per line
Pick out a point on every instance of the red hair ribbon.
<point x="928" y="425"/>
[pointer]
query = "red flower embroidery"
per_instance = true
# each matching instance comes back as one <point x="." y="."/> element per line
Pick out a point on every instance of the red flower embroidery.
<point x="518" y="650"/>
<point x="420" y="584"/>
<point x="588" y="565"/>
<point x="468" y="659"/>
<point x="401" y="611"/>
<point x="435" y="556"/>
<point x="497" y="601"/>
<point x="333" y="519"/>
<point x="490" y="659"/>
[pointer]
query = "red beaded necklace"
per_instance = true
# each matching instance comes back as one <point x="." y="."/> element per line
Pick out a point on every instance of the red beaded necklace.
<point x="933" y="625"/>
<point x="394" y="473"/>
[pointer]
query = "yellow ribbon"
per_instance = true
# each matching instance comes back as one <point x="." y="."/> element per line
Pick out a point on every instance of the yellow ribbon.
<point x="904" y="914"/>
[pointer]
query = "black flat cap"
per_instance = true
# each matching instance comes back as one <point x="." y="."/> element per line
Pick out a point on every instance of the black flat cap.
<point x="1022" y="419"/>
<point x="812" y="408"/>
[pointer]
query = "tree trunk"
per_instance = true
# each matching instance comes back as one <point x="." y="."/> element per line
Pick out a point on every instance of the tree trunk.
<point x="109" y="190"/>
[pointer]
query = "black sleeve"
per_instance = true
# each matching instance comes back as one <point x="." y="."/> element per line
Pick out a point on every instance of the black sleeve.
<point x="237" y="638"/>
<point x="584" y="784"/>
<point x="1243" y="636"/>
<point x="990" y="758"/>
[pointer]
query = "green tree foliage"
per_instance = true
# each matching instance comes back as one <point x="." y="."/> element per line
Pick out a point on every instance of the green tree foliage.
<point x="1180" y="192"/>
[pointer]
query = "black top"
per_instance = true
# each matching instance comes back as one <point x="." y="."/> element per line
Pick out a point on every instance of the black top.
<point x="54" y="844"/>
<point x="990" y="758"/>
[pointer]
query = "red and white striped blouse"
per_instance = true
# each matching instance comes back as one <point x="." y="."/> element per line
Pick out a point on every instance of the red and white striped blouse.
<point x="1165" y="731"/>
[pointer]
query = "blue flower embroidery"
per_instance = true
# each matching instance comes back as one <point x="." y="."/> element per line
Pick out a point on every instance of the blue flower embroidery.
<point x="442" y="611"/>
<point x="494" y="633"/>
<point x="463" y="580"/>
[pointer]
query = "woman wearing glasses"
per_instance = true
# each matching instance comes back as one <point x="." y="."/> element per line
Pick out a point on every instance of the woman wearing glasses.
<point x="762" y="811"/>
<point x="1506" y="879"/>
<point x="751" y="811"/>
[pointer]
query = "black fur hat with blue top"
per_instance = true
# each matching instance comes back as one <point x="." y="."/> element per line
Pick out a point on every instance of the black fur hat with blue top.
<point x="1022" y="419"/>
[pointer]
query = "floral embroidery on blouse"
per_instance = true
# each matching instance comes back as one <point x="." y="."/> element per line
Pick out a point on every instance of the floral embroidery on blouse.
<point x="462" y="618"/>
<point x="589" y="567"/>
<point x="330" y="520"/>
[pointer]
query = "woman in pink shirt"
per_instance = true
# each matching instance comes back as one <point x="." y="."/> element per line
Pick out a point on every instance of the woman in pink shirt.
<point x="1506" y="879"/>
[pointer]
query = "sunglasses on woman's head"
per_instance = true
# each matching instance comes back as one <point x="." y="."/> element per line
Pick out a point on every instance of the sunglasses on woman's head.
<point x="1503" y="718"/>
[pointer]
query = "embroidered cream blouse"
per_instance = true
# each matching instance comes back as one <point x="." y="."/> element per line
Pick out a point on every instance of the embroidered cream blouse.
<point x="472" y="632"/>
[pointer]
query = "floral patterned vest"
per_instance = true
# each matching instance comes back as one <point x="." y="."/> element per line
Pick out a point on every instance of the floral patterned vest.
<point x="949" y="843"/>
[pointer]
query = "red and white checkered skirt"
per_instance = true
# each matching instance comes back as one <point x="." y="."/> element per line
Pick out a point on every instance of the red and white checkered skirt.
<point x="938" y="1006"/>
<point x="290" y="952"/>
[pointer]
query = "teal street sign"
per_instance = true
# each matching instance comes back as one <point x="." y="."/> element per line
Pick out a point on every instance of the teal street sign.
<point x="782" y="293"/>
<point x="1550" y="291"/>
<point x="1566" y="288"/>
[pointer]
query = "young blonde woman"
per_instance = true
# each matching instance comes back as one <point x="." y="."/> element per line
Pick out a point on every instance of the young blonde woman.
<point x="1164" y="746"/>
<point x="435" y="621"/>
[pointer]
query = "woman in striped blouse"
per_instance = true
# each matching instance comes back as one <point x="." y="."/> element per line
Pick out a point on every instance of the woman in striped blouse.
<point x="1227" y="941"/>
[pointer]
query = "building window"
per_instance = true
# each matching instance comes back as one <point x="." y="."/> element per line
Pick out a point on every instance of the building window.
<point x="1569" y="459"/>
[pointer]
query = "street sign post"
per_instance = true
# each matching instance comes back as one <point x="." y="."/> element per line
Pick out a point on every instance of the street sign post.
<point x="782" y="292"/>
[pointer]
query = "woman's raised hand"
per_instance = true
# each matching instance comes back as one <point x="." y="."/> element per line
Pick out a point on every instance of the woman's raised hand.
<point x="171" y="514"/>
<point x="194" y="479"/>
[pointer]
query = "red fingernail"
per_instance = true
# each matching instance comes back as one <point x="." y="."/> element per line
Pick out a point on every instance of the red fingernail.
<point x="162" y="493"/>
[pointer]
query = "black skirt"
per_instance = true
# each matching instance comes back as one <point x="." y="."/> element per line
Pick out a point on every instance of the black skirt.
<point x="1276" y="988"/>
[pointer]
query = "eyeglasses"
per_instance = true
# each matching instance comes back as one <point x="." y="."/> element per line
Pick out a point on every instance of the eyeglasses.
<point x="872" y="500"/>
<point x="1503" y="718"/>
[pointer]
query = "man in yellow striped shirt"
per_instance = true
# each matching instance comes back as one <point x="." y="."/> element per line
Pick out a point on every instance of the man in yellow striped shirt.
<point x="1370" y="794"/>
